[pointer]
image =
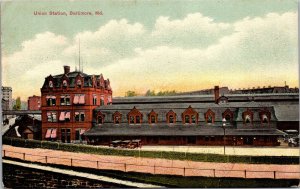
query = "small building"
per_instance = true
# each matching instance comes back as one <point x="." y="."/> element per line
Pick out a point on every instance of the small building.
<point x="34" y="103"/>
<point x="26" y="127"/>
<point x="68" y="101"/>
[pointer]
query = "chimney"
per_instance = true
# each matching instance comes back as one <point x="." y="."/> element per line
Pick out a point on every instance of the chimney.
<point x="67" y="69"/>
<point x="217" y="94"/>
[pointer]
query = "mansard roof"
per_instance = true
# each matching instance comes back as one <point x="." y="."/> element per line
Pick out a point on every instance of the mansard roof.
<point x="176" y="130"/>
<point x="71" y="77"/>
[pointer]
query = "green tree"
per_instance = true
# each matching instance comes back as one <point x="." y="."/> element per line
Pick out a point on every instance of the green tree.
<point x="17" y="106"/>
<point x="130" y="94"/>
<point x="150" y="93"/>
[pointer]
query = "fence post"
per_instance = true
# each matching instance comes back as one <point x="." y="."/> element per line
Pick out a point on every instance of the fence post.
<point x="23" y="156"/>
<point x="245" y="174"/>
<point x="214" y="172"/>
<point x="71" y="162"/>
<point x="184" y="171"/>
<point x="125" y="167"/>
<point x="274" y="174"/>
<point x="97" y="164"/>
<point x="46" y="159"/>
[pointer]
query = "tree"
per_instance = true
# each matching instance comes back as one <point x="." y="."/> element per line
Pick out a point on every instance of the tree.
<point x="150" y="93"/>
<point x="130" y="94"/>
<point x="17" y="106"/>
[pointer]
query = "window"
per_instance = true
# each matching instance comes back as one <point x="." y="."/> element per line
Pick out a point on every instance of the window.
<point x="79" y="99"/>
<point x="209" y="116"/>
<point x="117" y="117"/>
<point x="100" y="118"/>
<point x="51" y="84"/>
<point x="248" y="116"/>
<point x="65" y="100"/>
<point x="209" y="119"/>
<point x="228" y="115"/>
<point x="152" y="117"/>
<point x="79" y="116"/>
<point x="78" y="134"/>
<point x="65" y="116"/>
<point x="51" y="100"/>
<point x="51" y="116"/>
<point x="102" y="100"/>
<point x="190" y="116"/>
<point x="171" y="117"/>
<point x="94" y="99"/>
<point x="109" y="100"/>
<point x="78" y="83"/>
<point x="135" y="116"/>
<point x="65" y="135"/>
<point x="265" y="116"/>
<point x="65" y="83"/>
<point x="265" y="119"/>
<point x="247" y="119"/>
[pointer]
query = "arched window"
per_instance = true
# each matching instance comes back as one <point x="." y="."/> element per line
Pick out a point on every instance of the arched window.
<point x="78" y="83"/>
<point x="190" y="116"/>
<point x="100" y="118"/>
<point x="135" y="116"/>
<point x="152" y="117"/>
<point x="265" y="116"/>
<point x="117" y="116"/>
<point x="228" y="115"/>
<point x="171" y="117"/>
<point x="209" y="116"/>
<point x="65" y="83"/>
<point x="248" y="117"/>
<point x="51" y="84"/>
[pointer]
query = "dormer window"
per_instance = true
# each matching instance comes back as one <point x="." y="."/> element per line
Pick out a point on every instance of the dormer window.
<point x="51" y="84"/>
<point x="152" y="117"/>
<point x="228" y="115"/>
<point x="190" y="116"/>
<point x="248" y="117"/>
<point x="171" y="117"/>
<point x="265" y="119"/>
<point x="117" y="117"/>
<point x="209" y="116"/>
<point x="65" y="83"/>
<point x="135" y="116"/>
<point x="100" y="118"/>
<point x="265" y="116"/>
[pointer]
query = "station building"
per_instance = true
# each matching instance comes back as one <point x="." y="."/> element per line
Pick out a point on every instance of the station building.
<point x="68" y="101"/>
<point x="196" y="120"/>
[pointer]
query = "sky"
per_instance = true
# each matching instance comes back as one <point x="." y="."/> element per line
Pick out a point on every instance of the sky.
<point x="159" y="45"/>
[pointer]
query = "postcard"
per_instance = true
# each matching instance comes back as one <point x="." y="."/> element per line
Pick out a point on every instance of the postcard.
<point x="183" y="93"/>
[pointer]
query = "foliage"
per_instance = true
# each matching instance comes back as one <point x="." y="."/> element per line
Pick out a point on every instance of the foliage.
<point x="17" y="106"/>
<point x="130" y="94"/>
<point x="160" y="93"/>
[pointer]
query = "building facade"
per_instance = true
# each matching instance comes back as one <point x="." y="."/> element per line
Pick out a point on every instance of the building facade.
<point x="67" y="103"/>
<point x="7" y="97"/>
<point x="34" y="103"/>
<point x="185" y="121"/>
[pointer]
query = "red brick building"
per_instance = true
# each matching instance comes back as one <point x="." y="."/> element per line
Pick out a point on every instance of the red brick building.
<point x="34" y="103"/>
<point x="68" y="101"/>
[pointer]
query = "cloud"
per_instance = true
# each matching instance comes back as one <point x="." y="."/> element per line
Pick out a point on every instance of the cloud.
<point x="195" y="30"/>
<point x="188" y="54"/>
